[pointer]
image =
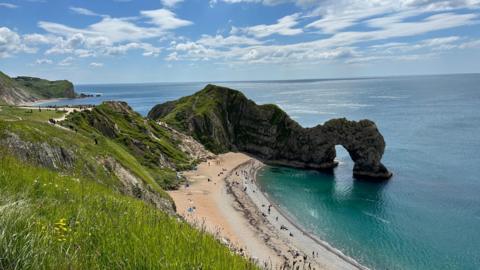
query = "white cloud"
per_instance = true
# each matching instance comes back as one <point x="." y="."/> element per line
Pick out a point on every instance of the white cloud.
<point x="172" y="57"/>
<point x="36" y="39"/>
<point x="8" y="5"/>
<point x="43" y="61"/>
<point x="338" y="15"/>
<point x="122" y="29"/>
<point x="384" y="23"/>
<point x="473" y="44"/>
<point x="165" y="19"/>
<point x="148" y="49"/>
<point x="83" y="46"/>
<point x="114" y="29"/>
<point x="12" y="43"/>
<point x="284" y="26"/>
<point x="339" y="46"/>
<point x="302" y="3"/>
<point x="355" y="4"/>
<point x="96" y="64"/>
<point x="84" y="11"/>
<point x="220" y="41"/>
<point x="171" y="3"/>
<point x="66" y="61"/>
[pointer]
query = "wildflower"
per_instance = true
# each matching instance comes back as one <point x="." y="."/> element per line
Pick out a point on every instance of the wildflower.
<point x="61" y="230"/>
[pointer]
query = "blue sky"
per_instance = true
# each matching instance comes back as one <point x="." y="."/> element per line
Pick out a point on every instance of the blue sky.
<point x="116" y="41"/>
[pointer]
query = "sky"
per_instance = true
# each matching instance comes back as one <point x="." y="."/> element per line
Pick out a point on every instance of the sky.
<point x="135" y="41"/>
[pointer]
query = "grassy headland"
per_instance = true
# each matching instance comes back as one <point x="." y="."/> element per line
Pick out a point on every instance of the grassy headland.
<point x="80" y="197"/>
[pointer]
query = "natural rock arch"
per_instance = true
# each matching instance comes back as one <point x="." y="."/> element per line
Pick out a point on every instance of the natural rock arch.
<point x="363" y="142"/>
<point x="225" y="120"/>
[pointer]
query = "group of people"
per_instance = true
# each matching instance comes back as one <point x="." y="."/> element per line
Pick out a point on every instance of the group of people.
<point x="296" y="260"/>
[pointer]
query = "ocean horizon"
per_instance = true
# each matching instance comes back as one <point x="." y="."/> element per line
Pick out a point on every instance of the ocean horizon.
<point x="426" y="217"/>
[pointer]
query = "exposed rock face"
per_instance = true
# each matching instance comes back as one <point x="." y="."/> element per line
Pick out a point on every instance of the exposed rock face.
<point x="225" y="120"/>
<point x="11" y="93"/>
<point x="135" y="187"/>
<point x="42" y="154"/>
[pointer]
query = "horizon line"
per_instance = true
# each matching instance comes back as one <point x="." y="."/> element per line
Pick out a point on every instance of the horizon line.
<point x="287" y="80"/>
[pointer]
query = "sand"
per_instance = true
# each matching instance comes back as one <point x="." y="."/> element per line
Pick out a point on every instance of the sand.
<point x="40" y="102"/>
<point x="222" y="196"/>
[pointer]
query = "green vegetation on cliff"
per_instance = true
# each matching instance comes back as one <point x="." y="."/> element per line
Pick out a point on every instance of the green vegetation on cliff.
<point x="47" y="89"/>
<point x="151" y="144"/>
<point x="26" y="89"/>
<point x="205" y="115"/>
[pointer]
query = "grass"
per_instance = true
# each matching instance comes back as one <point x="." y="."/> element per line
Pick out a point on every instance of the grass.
<point x="151" y="144"/>
<point x="47" y="89"/>
<point x="10" y="113"/>
<point x="50" y="221"/>
<point x="33" y="128"/>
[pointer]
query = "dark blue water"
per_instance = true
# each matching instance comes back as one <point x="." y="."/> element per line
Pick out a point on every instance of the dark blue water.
<point x="426" y="217"/>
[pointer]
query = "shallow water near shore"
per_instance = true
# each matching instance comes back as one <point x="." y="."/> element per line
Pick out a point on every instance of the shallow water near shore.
<point x="426" y="217"/>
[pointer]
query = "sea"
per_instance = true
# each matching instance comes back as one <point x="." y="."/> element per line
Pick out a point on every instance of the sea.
<point x="427" y="216"/>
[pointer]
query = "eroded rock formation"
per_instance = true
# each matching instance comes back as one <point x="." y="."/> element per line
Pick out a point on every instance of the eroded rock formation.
<point x="225" y="120"/>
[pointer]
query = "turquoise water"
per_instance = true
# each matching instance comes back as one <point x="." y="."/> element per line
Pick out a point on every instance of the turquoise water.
<point x="426" y="217"/>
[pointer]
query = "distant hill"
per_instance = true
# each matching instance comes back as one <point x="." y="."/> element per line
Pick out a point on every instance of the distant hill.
<point x="14" y="91"/>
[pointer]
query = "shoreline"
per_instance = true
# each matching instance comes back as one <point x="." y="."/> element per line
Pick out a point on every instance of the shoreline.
<point x="39" y="102"/>
<point x="314" y="238"/>
<point x="229" y="204"/>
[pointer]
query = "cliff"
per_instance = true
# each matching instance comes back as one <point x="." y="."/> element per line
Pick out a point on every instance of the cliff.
<point x="19" y="90"/>
<point x="225" y="120"/>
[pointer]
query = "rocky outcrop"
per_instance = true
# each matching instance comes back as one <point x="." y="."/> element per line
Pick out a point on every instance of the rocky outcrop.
<point x="225" y="120"/>
<point x="132" y="186"/>
<point x="189" y="145"/>
<point x="39" y="153"/>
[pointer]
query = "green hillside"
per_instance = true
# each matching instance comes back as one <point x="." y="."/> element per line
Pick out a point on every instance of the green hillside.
<point x="151" y="144"/>
<point x="47" y="89"/>
<point x="27" y="89"/>
<point x="80" y="197"/>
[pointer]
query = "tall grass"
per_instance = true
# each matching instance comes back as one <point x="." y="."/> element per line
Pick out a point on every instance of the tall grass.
<point x="50" y="221"/>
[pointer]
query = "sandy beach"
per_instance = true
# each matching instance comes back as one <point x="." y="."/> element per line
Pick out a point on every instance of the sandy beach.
<point x="222" y="196"/>
<point x="40" y="102"/>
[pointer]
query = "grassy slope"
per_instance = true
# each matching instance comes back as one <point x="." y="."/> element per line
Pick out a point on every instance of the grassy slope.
<point x="133" y="132"/>
<point x="79" y="220"/>
<point x="49" y="221"/>
<point x="46" y="89"/>
<point x="33" y="127"/>
<point x="34" y="88"/>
